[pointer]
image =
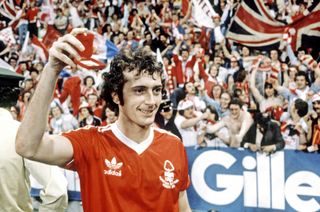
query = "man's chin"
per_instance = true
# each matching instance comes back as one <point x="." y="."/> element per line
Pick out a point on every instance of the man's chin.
<point x="145" y="125"/>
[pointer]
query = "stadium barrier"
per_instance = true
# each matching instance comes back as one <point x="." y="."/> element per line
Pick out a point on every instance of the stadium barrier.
<point x="226" y="179"/>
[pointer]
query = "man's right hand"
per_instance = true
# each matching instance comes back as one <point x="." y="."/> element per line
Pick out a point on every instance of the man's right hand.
<point x="64" y="50"/>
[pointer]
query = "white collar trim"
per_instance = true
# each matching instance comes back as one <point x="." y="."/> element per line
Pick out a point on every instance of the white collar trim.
<point x="139" y="148"/>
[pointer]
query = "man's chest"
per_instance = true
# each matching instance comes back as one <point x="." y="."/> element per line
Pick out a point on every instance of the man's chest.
<point x="131" y="171"/>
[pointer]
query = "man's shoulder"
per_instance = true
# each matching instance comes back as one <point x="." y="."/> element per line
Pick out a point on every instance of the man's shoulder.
<point x="165" y="135"/>
<point x="90" y="130"/>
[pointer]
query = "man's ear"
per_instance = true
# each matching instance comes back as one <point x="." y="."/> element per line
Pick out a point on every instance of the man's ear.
<point x="115" y="98"/>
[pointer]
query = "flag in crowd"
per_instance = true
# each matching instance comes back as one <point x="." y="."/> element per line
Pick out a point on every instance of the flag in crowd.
<point x="203" y="12"/>
<point x="254" y="26"/>
<point x="111" y="49"/>
<point x="7" y="36"/>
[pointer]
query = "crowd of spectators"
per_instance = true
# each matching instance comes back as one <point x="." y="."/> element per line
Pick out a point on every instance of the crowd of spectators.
<point x="219" y="93"/>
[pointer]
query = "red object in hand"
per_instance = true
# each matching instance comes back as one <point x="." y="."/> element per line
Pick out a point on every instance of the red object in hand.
<point x="86" y="61"/>
<point x="87" y="42"/>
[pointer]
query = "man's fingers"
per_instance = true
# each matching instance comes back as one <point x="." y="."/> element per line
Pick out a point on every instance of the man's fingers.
<point x="77" y="31"/>
<point x="66" y="48"/>
<point x="71" y="39"/>
<point x="62" y="57"/>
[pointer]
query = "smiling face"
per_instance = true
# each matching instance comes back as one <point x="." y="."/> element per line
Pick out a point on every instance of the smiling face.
<point x="316" y="107"/>
<point x="190" y="89"/>
<point x="112" y="117"/>
<point x="225" y="100"/>
<point x="56" y="112"/>
<point x="269" y="91"/>
<point x="274" y="55"/>
<point x="184" y="55"/>
<point x="188" y="113"/>
<point x="301" y="82"/>
<point x="213" y="71"/>
<point x="216" y="91"/>
<point x="234" y="111"/>
<point x="142" y="97"/>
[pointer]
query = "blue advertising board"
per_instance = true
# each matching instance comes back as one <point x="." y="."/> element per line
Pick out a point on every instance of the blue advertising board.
<point x="227" y="179"/>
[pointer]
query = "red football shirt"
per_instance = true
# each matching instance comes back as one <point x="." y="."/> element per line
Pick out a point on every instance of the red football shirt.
<point x="117" y="174"/>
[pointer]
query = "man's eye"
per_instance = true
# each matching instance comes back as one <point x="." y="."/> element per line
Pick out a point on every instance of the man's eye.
<point x="157" y="90"/>
<point x="139" y="91"/>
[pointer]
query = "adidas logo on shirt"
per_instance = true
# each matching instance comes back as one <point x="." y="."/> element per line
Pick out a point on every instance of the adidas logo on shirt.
<point x="113" y="167"/>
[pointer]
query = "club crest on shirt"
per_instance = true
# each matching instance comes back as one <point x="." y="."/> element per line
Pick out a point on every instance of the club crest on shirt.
<point x="113" y="167"/>
<point x="167" y="179"/>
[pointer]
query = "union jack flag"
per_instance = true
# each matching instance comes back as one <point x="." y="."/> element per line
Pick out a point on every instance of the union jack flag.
<point x="11" y="11"/>
<point x="253" y="26"/>
<point x="7" y="9"/>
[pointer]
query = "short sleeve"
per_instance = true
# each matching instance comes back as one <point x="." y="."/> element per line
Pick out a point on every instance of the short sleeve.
<point x="82" y="143"/>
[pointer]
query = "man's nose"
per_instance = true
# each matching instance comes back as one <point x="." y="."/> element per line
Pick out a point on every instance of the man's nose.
<point x="150" y="98"/>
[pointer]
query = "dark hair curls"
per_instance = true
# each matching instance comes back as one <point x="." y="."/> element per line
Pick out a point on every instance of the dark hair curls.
<point x="128" y="60"/>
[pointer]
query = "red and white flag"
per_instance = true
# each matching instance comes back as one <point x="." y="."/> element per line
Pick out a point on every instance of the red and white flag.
<point x="202" y="13"/>
<point x="253" y="26"/>
<point x="51" y="36"/>
<point x="7" y="36"/>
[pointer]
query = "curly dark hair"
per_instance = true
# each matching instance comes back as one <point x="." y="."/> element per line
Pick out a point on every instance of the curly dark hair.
<point x="128" y="60"/>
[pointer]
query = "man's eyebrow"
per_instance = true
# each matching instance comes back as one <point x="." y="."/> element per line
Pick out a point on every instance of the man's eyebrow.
<point x="157" y="86"/>
<point x="144" y="87"/>
<point x="139" y="87"/>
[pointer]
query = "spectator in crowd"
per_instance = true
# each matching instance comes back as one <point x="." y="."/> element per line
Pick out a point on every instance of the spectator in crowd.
<point x="191" y="90"/>
<point x="61" y="21"/>
<point x="314" y="124"/>
<point x="169" y="67"/>
<point x="241" y="88"/>
<point x="23" y="102"/>
<point x="300" y="90"/>
<point x="216" y="92"/>
<point x="184" y="64"/>
<point x="111" y="9"/>
<point x="16" y="170"/>
<point x="34" y="75"/>
<point x="134" y="85"/>
<point x="109" y="116"/>
<point x="88" y="86"/>
<point x="23" y="23"/>
<point x="32" y="13"/>
<point x="94" y="104"/>
<point x="166" y="116"/>
<point x="187" y="122"/>
<point x="275" y="62"/>
<point x="211" y="79"/>
<point x="12" y="61"/>
<point x="61" y="122"/>
<point x="264" y="135"/>
<point x="289" y="76"/>
<point x="269" y="99"/>
<point x="222" y="106"/>
<point x="28" y="85"/>
<point x="238" y="123"/>
<point x="294" y="127"/>
<point x="87" y="116"/>
<point x="72" y="89"/>
<point x="218" y="139"/>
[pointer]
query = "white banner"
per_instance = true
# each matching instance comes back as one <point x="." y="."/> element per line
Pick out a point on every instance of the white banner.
<point x="202" y="13"/>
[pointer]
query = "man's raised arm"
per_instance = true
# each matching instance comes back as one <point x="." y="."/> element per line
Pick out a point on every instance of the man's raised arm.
<point x="31" y="140"/>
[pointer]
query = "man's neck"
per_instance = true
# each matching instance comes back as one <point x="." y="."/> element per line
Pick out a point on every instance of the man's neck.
<point x="133" y="131"/>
